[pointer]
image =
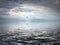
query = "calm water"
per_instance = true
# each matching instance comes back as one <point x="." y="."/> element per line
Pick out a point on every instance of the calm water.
<point x="28" y="23"/>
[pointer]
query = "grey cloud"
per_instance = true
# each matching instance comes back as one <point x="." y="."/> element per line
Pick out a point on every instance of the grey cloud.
<point x="13" y="3"/>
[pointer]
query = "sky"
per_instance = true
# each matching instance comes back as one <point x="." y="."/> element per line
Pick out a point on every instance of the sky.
<point x="27" y="11"/>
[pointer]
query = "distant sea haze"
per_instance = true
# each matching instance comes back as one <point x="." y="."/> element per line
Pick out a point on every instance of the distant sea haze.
<point x="31" y="23"/>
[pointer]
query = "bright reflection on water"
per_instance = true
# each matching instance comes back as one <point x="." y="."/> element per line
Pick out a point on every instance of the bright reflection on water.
<point x="29" y="23"/>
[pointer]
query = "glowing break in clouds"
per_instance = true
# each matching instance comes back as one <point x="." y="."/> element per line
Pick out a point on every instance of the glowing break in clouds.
<point x="26" y="9"/>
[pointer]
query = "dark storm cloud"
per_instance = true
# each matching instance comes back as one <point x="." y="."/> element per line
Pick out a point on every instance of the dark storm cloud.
<point x="38" y="2"/>
<point x="8" y="4"/>
<point x="47" y="3"/>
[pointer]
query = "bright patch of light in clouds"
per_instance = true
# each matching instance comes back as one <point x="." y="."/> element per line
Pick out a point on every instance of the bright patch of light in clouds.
<point x="28" y="10"/>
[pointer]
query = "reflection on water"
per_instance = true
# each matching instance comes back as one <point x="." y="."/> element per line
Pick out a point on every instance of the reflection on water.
<point x="12" y="23"/>
<point x="25" y="28"/>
